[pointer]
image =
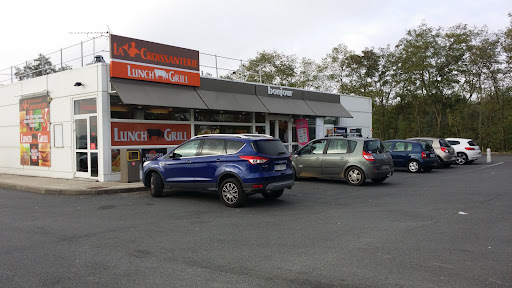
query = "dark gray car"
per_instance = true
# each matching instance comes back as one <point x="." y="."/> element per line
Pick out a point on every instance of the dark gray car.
<point x="353" y="159"/>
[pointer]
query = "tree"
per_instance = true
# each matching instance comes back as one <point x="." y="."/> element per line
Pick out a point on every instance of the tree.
<point x="38" y="67"/>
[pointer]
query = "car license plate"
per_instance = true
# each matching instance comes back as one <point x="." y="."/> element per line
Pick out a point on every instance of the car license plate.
<point x="280" y="167"/>
<point x="432" y="155"/>
<point x="385" y="167"/>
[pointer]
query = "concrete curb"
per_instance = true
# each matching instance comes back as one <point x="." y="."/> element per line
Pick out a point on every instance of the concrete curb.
<point x="81" y="191"/>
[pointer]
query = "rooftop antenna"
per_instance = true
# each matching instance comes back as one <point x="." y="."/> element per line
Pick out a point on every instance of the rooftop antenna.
<point x="101" y="33"/>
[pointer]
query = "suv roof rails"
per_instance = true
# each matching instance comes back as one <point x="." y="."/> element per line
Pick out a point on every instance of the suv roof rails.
<point x="234" y="135"/>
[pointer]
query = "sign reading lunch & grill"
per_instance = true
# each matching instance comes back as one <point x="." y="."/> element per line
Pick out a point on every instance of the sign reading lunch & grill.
<point x="143" y="60"/>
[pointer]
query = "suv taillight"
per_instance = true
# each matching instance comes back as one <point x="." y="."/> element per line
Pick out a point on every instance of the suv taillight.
<point x="444" y="150"/>
<point x="254" y="159"/>
<point x="423" y="155"/>
<point x="368" y="156"/>
<point x="469" y="148"/>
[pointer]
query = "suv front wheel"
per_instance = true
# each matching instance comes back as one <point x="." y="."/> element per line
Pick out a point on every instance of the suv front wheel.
<point x="231" y="193"/>
<point x="156" y="185"/>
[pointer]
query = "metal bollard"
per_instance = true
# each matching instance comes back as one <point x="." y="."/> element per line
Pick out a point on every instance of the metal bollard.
<point x="488" y="155"/>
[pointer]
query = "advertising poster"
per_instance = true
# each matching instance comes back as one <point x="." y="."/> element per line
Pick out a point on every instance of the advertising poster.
<point x="340" y="130"/>
<point x="150" y="154"/>
<point x="302" y="131"/>
<point x="116" y="160"/>
<point x="329" y="129"/>
<point x="35" y="131"/>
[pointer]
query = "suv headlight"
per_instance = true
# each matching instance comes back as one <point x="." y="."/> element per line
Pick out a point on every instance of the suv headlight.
<point x="145" y="163"/>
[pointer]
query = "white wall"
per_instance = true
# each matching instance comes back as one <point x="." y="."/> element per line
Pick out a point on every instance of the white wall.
<point x="361" y="110"/>
<point x="61" y="89"/>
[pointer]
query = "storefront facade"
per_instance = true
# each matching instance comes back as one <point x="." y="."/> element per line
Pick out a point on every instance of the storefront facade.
<point x="74" y="123"/>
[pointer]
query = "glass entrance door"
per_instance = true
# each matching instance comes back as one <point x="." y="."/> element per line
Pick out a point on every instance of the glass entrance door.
<point x="86" y="146"/>
<point x="280" y="127"/>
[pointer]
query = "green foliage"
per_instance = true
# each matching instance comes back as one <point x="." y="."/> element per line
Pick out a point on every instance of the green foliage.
<point x="38" y="67"/>
<point x="439" y="82"/>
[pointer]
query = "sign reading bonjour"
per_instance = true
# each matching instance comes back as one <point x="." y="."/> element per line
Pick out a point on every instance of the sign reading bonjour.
<point x="143" y="60"/>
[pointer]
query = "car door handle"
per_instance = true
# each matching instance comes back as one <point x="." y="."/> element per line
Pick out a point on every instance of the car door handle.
<point x="218" y="160"/>
<point x="188" y="162"/>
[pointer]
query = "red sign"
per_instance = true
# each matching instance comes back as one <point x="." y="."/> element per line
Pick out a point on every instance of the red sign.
<point x="138" y="134"/>
<point x="35" y="131"/>
<point x="143" y="60"/>
<point x="155" y="74"/>
<point x="302" y="131"/>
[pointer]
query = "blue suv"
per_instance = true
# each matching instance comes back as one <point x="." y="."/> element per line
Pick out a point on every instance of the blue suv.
<point x="235" y="166"/>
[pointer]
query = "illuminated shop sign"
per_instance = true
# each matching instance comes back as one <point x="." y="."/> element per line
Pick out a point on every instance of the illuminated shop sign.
<point x="143" y="60"/>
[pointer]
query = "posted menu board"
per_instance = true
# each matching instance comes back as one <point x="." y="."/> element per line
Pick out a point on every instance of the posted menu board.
<point x="35" y="131"/>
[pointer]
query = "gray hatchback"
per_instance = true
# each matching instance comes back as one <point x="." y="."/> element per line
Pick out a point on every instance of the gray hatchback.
<point x="353" y="159"/>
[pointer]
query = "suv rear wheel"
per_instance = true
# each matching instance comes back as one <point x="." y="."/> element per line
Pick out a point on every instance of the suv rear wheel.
<point x="355" y="176"/>
<point x="231" y="193"/>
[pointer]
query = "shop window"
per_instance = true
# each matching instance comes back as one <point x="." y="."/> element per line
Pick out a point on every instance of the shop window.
<point x="220" y="129"/>
<point x="85" y="106"/>
<point x="222" y="116"/>
<point x="259" y="117"/>
<point x="164" y="113"/>
<point x="260" y="130"/>
<point x="331" y="120"/>
<point x="119" y="110"/>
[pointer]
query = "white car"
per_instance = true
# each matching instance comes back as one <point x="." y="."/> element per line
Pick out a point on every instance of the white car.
<point x="466" y="149"/>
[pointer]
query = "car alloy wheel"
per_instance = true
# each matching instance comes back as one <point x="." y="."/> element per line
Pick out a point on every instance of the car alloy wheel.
<point x="461" y="158"/>
<point x="231" y="193"/>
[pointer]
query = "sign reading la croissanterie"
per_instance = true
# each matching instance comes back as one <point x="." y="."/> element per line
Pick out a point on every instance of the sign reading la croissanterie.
<point x="35" y="131"/>
<point x="137" y="134"/>
<point x="143" y="60"/>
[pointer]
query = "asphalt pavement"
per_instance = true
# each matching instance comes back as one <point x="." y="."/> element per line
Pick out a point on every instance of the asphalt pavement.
<point x="445" y="228"/>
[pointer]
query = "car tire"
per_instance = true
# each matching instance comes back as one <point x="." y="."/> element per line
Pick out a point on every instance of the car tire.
<point x="413" y="166"/>
<point x="272" y="194"/>
<point x="379" y="180"/>
<point x="156" y="185"/>
<point x="231" y="193"/>
<point x="355" y="176"/>
<point x="462" y="158"/>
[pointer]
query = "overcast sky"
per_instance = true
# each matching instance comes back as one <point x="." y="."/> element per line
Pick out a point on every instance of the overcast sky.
<point x="237" y="29"/>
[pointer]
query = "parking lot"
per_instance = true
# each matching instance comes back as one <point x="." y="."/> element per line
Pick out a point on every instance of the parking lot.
<point x="446" y="228"/>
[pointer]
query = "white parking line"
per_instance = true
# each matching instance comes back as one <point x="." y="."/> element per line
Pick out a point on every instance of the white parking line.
<point x="489" y="166"/>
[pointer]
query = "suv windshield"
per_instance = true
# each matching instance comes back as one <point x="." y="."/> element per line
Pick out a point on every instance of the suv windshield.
<point x="270" y="147"/>
<point x="374" y="146"/>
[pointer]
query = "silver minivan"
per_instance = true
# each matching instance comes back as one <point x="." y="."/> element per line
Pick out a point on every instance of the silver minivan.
<point x="353" y="159"/>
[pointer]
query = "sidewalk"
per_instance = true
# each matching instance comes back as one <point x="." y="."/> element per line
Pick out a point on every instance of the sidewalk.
<point x="55" y="186"/>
